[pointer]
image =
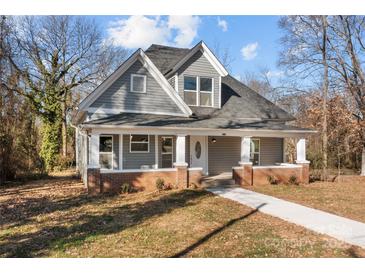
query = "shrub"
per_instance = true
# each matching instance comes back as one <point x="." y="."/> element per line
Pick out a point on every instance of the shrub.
<point x="293" y="180"/>
<point x="126" y="188"/>
<point x="160" y="184"/>
<point x="272" y="180"/>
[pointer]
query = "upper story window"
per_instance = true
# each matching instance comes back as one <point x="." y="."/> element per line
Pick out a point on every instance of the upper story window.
<point x="138" y="83"/>
<point x="198" y="91"/>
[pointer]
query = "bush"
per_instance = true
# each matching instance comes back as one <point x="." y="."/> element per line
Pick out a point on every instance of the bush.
<point x="293" y="180"/>
<point x="272" y="180"/>
<point x="160" y="184"/>
<point x="126" y="188"/>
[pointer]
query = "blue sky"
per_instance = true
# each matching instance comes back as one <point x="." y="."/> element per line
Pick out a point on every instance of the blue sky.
<point x="258" y="35"/>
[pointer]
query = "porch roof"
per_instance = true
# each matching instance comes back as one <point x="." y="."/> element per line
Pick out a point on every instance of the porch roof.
<point x="201" y="122"/>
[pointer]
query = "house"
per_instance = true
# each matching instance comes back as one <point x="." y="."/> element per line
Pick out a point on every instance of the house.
<point x="177" y="114"/>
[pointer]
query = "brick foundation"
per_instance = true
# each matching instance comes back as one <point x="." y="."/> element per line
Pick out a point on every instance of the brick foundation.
<point x="248" y="175"/>
<point x="195" y="177"/>
<point x="282" y="174"/>
<point x="93" y="181"/>
<point x="111" y="182"/>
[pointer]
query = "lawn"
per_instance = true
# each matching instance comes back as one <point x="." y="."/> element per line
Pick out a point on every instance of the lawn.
<point x="55" y="218"/>
<point x="345" y="198"/>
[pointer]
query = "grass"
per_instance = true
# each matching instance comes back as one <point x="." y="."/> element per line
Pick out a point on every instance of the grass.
<point x="345" y="197"/>
<point x="55" y="218"/>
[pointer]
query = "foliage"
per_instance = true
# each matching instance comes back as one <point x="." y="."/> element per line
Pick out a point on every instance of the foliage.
<point x="160" y="184"/>
<point x="126" y="188"/>
<point x="272" y="180"/>
<point x="293" y="180"/>
<point x="50" y="144"/>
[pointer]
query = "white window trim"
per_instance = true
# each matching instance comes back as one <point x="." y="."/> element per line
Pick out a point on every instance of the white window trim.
<point x="172" y="149"/>
<point x="192" y="90"/>
<point x="259" y="153"/>
<point x="198" y="91"/>
<point x="144" y="83"/>
<point x="104" y="153"/>
<point x="211" y="92"/>
<point x="130" y="144"/>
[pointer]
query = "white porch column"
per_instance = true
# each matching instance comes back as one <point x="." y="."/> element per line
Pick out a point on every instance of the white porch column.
<point x="180" y="150"/>
<point x="245" y="150"/>
<point x="301" y="155"/>
<point x="94" y="147"/>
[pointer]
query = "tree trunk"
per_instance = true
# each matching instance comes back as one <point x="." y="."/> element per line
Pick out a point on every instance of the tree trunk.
<point x="363" y="162"/>
<point x="64" y="130"/>
<point x="325" y="94"/>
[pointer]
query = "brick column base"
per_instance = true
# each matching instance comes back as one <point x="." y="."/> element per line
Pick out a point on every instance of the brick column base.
<point x="93" y="181"/>
<point x="304" y="173"/>
<point x="182" y="176"/>
<point x="243" y="174"/>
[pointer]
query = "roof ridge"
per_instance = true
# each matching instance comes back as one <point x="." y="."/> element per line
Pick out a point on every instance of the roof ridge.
<point x="165" y="46"/>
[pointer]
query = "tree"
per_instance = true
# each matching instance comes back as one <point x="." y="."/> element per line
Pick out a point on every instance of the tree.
<point x="305" y="56"/>
<point x="347" y="45"/>
<point x="54" y="56"/>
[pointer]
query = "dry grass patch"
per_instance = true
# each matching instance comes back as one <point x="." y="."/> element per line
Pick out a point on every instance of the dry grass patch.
<point x="55" y="218"/>
<point x="345" y="198"/>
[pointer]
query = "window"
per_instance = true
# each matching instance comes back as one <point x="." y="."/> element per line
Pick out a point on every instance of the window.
<point x="166" y="152"/>
<point x="106" y="152"/>
<point x="255" y="152"/>
<point x="198" y="91"/>
<point x="190" y="91"/>
<point x="206" y="91"/>
<point x="138" y="83"/>
<point x="139" y="143"/>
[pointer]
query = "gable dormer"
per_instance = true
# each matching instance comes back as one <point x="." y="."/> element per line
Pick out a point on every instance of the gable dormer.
<point x="137" y="86"/>
<point x="197" y="77"/>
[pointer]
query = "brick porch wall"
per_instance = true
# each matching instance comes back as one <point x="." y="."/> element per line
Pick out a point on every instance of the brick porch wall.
<point x="111" y="182"/>
<point x="259" y="175"/>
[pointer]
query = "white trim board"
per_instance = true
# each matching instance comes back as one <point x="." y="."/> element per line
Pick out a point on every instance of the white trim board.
<point x="207" y="53"/>
<point x="152" y="69"/>
<point x="112" y="129"/>
<point x="117" y="111"/>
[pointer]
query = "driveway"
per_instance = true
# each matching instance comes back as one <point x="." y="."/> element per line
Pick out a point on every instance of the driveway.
<point x="341" y="228"/>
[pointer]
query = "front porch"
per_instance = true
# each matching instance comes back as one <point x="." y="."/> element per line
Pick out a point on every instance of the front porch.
<point x="113" y="158"/>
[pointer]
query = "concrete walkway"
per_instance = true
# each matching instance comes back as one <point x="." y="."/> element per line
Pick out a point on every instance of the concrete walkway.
<point x="341" y="228"/>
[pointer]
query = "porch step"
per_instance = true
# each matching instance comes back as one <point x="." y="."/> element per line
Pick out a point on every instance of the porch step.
<point x="223" y="179"/>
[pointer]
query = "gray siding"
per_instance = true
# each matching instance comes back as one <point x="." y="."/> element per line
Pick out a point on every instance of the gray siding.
<point x="187" y="150"/>
<point x="119" y="97"/>
<point x="198" y="65"/>
<point x="271" y="151"/>
<point x="136" y="160"/>
<point x="223" y="154"/>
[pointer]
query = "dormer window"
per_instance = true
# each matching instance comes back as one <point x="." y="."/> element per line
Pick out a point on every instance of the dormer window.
<point x="198" y="91"/>
<point x="138" y="83"/>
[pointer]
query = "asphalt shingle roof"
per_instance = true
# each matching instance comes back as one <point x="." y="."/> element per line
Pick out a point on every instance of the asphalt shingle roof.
<point x="242" y="107"/>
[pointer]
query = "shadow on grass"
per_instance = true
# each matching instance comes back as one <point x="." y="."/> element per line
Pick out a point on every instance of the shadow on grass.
<point x="75" y="230"/>
<point x="214" y="232"/>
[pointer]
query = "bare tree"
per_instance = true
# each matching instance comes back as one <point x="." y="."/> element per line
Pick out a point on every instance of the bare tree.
<point x="223" y="54"/>
<point x="305" y="56"/>
<point x="347" y="45"/>
<point x="55" y="56"/>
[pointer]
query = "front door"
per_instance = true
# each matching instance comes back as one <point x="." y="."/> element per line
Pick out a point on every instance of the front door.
<point x="198" y="152"/>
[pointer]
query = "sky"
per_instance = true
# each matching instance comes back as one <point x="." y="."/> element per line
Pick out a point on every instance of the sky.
<point x="252" y="41"/>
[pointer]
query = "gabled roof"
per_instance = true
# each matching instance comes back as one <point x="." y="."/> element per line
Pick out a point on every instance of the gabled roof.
<point x="151" y="67"/>
<point x="165" y="57"/>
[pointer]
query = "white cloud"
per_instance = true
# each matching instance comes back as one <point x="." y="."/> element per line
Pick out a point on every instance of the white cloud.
<point x="222" y="24"/>
<point x="186" y="27"/>
<point x="275" y="73"/>
<point x="139" y="31"/>
<point x="249" y="52"/>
